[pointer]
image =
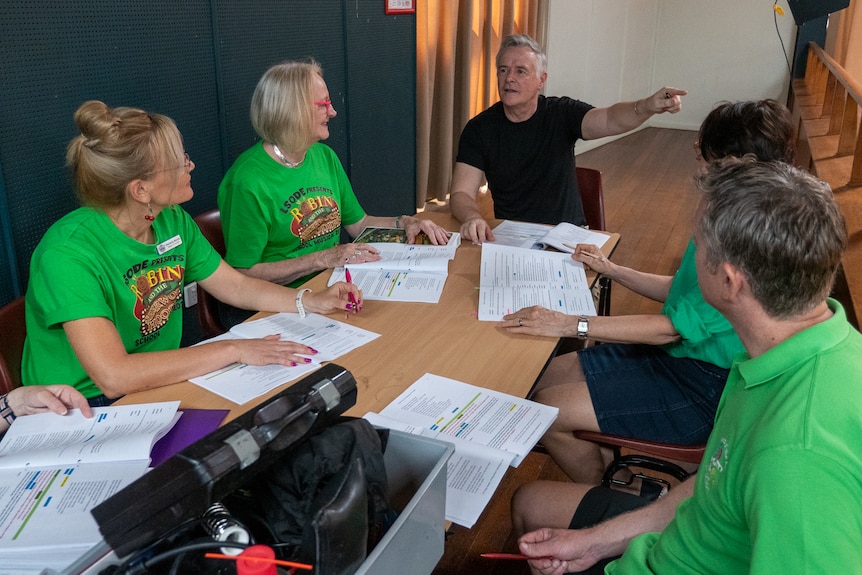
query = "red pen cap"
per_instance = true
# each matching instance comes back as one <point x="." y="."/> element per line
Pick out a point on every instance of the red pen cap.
<point x="252" y="567"/>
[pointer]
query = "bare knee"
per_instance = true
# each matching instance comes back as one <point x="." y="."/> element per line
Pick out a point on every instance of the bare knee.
<point x="524" y="507"/>
<point x="545" y="504"/>
<point x="575" y="405"/>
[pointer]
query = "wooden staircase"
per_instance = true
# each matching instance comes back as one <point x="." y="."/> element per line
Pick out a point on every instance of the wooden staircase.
<point x="827" y="103"/>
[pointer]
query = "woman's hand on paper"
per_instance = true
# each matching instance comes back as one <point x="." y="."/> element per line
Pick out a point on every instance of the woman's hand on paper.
<point x="346" y="254"/>
<point x="590" y="255"/>
<point x="537" y="320"/>
<point x="271" y="350"/>
<point x="31" y="399"/>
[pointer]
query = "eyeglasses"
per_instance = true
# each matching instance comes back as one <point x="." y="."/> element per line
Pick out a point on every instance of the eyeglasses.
<point x="325" y="103"/>
<point x="187" y="165"/>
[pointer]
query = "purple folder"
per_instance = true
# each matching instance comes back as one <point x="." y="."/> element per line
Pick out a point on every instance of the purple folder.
<point x="193" y="425"/>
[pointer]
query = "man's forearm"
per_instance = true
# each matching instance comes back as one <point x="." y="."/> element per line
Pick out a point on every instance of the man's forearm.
<point x="620" y="530"/>
<point x="463" y="207"/>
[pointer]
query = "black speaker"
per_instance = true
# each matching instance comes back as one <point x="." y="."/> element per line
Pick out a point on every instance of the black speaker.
<point x="805" y="10"/>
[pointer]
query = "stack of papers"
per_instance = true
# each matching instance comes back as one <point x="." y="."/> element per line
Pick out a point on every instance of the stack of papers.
<point x="489" y="429"/>
<point x="514" y="278"/>
<point x="540" y="236"/>
<point x="405" y="272"/>
<point x="54" y="469"/>
<point x="241" y="383"/>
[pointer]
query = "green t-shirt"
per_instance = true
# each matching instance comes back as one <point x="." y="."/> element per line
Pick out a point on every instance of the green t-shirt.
<point x="780" y="487"/>
<point x="86" y="267"/>
<point x="706" y="334"/>
<point x="271" y="213"/>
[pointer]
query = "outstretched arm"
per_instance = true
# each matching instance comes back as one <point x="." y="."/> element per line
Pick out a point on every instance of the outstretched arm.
<point x="654" y="286"/>
<point x="102" y="353"/>
<point x="626" y="116"/>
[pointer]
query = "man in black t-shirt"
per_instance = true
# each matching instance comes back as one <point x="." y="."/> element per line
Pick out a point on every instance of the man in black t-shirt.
<point x="524" y="144"/>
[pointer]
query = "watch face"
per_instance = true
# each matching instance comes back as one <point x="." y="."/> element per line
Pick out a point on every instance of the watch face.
<point x="583" y="327"/>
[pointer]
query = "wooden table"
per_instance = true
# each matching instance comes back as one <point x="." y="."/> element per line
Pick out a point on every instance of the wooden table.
<point x="445" y="339"/>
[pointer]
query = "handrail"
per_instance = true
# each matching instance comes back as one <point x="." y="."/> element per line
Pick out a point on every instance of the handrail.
<point x="829" y="143"/>
<point x="853" y="87"/>
<point x="839" y="96"/>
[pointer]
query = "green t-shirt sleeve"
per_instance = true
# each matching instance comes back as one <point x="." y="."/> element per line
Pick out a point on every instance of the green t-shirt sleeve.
<point x="802" y="509"/>
<point x="695" y="320"/>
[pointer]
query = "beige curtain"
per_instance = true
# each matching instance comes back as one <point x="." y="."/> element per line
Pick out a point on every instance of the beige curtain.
<point x="848" y="39"/>
<point x="456" y="43"/>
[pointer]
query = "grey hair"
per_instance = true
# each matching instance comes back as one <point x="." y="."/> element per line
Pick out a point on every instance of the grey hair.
<point x="281" y="106"/>
<point x="777" y="224"/>
<point x="523" y="40"/>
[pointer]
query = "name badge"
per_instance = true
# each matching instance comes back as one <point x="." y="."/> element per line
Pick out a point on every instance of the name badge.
<point x="169" y="244"/>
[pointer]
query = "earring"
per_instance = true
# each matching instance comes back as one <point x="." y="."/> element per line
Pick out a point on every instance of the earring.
<point x="149" y="217"/>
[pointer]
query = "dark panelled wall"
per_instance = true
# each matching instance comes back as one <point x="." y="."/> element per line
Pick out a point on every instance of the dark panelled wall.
<point x="196" y="61"/>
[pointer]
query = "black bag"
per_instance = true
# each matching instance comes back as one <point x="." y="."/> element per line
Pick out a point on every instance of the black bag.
<point x="329" y="496"/>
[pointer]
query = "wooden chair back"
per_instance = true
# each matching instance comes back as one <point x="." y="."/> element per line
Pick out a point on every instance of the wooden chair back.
<point x="590" y="184"/>
<point x="13" y="331"/>
<point x="208" y="306"/>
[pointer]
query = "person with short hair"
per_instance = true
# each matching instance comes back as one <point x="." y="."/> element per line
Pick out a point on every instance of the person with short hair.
<point x="524" y="144"/>
<point x="285" y="200"/>
<point x="105" y="297"/>
<point x="778" y="490"/>
<point x="659" y="377"/>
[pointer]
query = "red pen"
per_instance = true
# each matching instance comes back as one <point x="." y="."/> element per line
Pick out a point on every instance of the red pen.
<point x="350" y="295"/>
<point x="515" y="556"/>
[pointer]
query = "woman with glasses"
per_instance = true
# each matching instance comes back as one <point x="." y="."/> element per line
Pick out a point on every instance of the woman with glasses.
<point x="105" y="297"/>
<point x="285" y="200"/>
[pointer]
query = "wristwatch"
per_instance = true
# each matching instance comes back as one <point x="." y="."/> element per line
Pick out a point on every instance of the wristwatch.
<point x="583" y="327"/>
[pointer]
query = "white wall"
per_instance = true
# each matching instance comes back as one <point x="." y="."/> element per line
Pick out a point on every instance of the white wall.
<point x="606" y="51"/>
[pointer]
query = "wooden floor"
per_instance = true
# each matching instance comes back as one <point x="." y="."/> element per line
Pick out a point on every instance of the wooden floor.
<point x="650" y="200"/>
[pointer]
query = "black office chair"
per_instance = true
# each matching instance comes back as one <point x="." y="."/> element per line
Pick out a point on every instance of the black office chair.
<point x="13" y="331"/>
<point x="663" y="458"/>
<point x="209" y="315"/>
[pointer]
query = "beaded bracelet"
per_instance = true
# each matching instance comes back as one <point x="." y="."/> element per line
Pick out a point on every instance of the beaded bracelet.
<point x="5" y="410"/>
<point x="299" y="307"/>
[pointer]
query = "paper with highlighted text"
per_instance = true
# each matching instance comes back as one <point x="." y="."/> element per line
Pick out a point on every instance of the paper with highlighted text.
<point x="489" y="429"/>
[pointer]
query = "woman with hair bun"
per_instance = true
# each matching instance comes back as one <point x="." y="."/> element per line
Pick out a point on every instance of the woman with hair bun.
<point x="104" y="301"/>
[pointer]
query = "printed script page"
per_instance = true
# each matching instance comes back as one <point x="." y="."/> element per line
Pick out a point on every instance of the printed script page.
<point x="514" y="278"/>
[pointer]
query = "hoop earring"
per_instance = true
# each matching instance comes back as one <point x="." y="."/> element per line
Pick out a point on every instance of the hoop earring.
<point x="149" y="217"/>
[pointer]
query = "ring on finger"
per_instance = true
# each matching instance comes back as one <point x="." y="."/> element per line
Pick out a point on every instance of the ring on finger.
<point x="520" y="322"/>
<point x="357" y="253"/>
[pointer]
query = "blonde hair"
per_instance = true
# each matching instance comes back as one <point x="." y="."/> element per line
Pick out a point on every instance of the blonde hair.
<point x="282" y="110"/>
<point x="116" y="146"/>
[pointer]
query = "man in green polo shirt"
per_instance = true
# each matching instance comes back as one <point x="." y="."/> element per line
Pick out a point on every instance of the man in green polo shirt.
<point x="780" y="487"/>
